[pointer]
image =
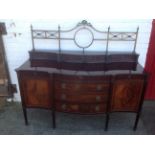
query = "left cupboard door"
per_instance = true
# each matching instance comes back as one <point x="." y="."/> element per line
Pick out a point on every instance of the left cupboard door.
<point x="36" y="88"/>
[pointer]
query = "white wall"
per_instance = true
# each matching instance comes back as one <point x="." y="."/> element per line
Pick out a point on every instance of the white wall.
<point x="18" y="40"/>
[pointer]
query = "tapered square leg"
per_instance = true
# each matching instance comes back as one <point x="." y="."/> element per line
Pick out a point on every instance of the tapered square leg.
<point x="136" y="122"/>
<point x="25" y="116"/>
<point x="106" y="123"/>
<point x="53" y="119"/>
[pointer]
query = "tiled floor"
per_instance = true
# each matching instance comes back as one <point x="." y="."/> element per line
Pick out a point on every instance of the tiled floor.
<point x="40" y="122"/>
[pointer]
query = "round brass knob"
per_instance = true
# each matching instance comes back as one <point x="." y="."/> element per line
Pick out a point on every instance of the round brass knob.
<point x="64" y="106"/>
<point x="97" y="108"/>
<point x="99" y="87"/>
<point x="63" y="96"/>
<point x="77" y="86"/>
<point x="63" y="85"/>
<point x="74" y="107"/>
<point x="98" y="98"/>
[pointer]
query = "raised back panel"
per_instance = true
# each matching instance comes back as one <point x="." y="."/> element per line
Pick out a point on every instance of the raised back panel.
<point x="83" y="59"/>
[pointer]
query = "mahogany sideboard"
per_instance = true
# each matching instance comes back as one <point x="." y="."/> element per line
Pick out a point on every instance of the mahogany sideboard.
<point x="83" y="81"/>
<point x="83" y="92"/>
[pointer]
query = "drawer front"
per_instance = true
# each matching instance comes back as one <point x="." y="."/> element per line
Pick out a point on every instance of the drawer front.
<point x="126" y="94"/>
<point x="81" y="78"/>
<point x="81" y="97"/>
<point x="81" y="108"/>
<point x="81" y="87"/>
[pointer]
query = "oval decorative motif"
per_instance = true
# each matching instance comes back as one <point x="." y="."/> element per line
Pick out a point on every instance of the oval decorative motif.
<point x="83" y="38"/>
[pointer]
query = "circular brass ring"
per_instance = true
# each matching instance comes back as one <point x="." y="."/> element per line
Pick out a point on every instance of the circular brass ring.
<point x="76" y="34"/>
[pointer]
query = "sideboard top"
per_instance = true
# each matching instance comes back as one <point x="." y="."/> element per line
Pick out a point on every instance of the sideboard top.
<point x="27" y="67"/>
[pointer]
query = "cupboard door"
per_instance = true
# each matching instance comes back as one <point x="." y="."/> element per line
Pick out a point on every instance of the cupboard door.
<point x="36" y="89"/>
<point x="126" y="94"/>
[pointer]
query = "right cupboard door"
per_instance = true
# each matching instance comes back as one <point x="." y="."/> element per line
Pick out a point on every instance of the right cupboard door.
<point x="127" y="93"/>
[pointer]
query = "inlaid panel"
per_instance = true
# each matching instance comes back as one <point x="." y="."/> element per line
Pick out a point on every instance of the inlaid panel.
<point x="36" y="90"/>
<point x="126" y="94"/>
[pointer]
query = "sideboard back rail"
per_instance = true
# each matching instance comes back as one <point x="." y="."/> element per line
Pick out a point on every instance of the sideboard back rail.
<point x="108" y="35"/>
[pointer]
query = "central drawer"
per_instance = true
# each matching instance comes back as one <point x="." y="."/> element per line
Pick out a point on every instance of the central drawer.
<point x="81" y="97"/>
<point x="81" y="108"/>
<point x="81" y="86"/>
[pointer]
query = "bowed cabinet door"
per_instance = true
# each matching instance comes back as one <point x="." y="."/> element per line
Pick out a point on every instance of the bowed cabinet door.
<point x="127" y="93"/>
<point x="36" y="89"/>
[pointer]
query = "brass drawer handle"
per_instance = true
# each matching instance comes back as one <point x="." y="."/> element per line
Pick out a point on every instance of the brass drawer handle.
<point x="74" y="107"/>
<point x="98" y="98"/>
<point x="77" y="86"/>
<point x="64" y="106"/>
<point x="63" y="96"/>
<point x="63" y="85"/>
<point x="97" y="108"/>
<point x="99" y="87"/>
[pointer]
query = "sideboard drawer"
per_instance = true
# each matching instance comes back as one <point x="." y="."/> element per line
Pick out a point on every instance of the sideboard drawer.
<point x="81" y="78"/>
<point x="81" y="108"/>
<point x="81" y="98"/>
<point x="81" y="87"/>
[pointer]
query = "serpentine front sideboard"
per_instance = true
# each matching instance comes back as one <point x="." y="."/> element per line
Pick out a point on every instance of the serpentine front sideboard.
<point x="86" y="83"/>
<point x="83" y="93"/>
